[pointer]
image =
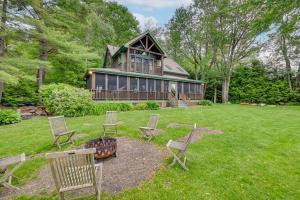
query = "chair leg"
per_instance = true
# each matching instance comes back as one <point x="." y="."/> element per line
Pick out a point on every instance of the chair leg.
<point x="62" y="196"/>
<point x="7" y="185"/>
<point x="173" y="163"/>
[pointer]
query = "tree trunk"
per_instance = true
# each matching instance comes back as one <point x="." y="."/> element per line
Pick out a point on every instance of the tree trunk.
<point x="3" y="22"/>
<point x="1" y="89"/>
<point x="215" y="94"/>
<point x="43" y="57"/>
<point x="287" y="61"/>
<point x="225" y="89"/>
<point x="298" y="78"/>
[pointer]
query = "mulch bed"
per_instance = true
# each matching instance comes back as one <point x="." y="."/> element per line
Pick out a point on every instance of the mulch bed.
<point x="136" y="161"/>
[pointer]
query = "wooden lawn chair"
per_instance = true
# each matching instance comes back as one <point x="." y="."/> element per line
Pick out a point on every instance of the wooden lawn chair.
<point x="149" y="130"/>
<point x="75" y="169"/>
<point x="180" y="149"/>
<point x="111" y="123"/>
<point x="60" y="129"/>
<point x="5" y="163"/>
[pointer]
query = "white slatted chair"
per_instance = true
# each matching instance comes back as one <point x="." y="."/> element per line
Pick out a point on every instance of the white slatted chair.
<point x="75" y="169"/>
<point x="5" y="163"/>
<point x="149" y="130"/>
<point x="60" y="129"/>
<point x="178" y="149"/>
<point x="111" y="123"/>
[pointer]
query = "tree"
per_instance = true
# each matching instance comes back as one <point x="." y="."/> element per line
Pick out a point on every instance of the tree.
<point x="3" y="26"/>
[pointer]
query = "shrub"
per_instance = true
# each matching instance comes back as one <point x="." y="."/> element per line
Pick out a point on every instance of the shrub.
<point x="205" y="103"/>
<point x="140" y="106"/>
<point x="101" y="108"/>
<point x="21" y="93"/>
<point x="9" y="117"/>
<point x="152" y="105"/>
<point x="61" y="99"/>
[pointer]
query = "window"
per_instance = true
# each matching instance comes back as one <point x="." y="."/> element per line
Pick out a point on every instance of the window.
<point x="143" y="87"/>
<point x="139" y="67"/>
<point x="132" y="63"/>
<point x="112" y="82"/>
<point x="145" y="66"/>
<point x="133" y="84"/>
<point x="158" y="85"/>
<point x="100" y="81"/>
<point x="122" y="83"/>
<point x="151" y="86"/>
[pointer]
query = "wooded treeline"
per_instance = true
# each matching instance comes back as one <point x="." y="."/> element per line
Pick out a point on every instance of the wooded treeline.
<point x="215" y="37"/>
<point x="60" y="37"/>
<point x="221" y="42"/>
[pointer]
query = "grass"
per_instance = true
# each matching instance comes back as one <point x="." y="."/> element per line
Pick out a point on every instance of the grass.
<point x="257" y="157"/>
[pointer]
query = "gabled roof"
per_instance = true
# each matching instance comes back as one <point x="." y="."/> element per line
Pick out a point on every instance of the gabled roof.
<point x="112" y="49"/>
<point x="172" y="67"/>
<point x="117" y="50"/>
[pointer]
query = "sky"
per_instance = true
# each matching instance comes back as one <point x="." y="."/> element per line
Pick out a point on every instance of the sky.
<point x="157" y="11"/>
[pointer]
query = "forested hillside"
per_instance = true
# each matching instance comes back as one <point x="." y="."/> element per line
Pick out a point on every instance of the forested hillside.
<point x="62" y="36"/>
<point x="216" y="41"/>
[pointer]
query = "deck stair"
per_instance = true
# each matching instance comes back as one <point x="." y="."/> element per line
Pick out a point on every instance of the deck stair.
<point x="182" y="104"/>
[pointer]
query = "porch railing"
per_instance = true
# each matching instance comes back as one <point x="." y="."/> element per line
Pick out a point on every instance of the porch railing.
<point x="136" y="95"/>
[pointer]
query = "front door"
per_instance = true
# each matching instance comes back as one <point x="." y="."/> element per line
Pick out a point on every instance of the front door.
<point x="173" y="88"/>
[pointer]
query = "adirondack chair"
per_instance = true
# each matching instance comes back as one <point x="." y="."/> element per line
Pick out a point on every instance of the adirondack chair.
<point x="60" y="129"/>
<point x="178" y="149"/>
<point x="5" y="163"/>
<point x="75" y="169"/>
<point x="111" y="123"/>
<point x="149" y="130"/>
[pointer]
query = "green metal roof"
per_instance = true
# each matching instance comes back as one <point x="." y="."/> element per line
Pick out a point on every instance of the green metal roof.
<point x="140" y="75"/>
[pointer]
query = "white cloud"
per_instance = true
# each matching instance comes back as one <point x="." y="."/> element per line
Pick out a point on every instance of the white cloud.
<point x="146" y="22"/>
<point x="154" y="4"/>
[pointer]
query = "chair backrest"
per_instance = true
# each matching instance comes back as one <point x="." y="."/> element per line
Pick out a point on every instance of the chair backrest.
<point x="58" y="125"/>
<point x="73" y="169"/>
<point x="189" y="138"/>
<point x="6" y="162"/>
<point x="111" y="117"/>
<point x="153" y="121"/>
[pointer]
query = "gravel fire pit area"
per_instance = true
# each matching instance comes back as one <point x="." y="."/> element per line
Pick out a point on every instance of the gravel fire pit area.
<point x="136" y="161"/>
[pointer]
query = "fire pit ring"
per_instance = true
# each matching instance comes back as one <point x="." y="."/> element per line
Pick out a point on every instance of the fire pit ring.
<point x="105" y="147"/>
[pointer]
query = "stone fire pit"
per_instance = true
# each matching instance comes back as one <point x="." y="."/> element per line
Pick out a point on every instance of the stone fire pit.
<point x="105" y="147"/>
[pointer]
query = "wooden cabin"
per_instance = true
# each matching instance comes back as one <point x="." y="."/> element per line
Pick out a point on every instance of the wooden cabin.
<point x="140" y="71"/>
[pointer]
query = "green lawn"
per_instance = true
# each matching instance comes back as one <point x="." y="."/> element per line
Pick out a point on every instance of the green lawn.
<point x="257" y="157"/>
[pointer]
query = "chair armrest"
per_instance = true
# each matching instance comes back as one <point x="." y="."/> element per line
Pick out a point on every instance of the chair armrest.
<point x="176" y="145"/>
<point x="147" y="128"/>
<point x="65" y="133"/>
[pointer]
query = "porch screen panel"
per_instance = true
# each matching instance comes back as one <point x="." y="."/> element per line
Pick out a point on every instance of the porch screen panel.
<point x="180" y="87"/>
<point x="186" y="88"/>
<point x="100" y="82"/>
<point x="198" y="88"/>
<point x="158" y="85"/>
<point x="192" y="88"/>
<point x="151" y="85"/>
<point x="166" y="86"/>
<point x="133" y="84"/>
<point x="143" y="87"/>
<point x="112" y="82"/>
<point x="122" y="83"/>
